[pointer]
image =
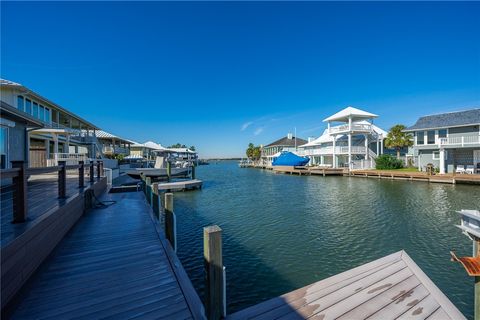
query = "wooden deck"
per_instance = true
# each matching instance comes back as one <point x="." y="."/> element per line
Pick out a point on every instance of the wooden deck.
<point x="393" y="287"/>
<point x="178" y="185"/>
<point x="115" y="263"/>
<point x="42" y="196"/>
<point x="418" y="176"/>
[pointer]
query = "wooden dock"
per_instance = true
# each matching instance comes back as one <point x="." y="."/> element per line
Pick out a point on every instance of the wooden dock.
<point x="393" y="287"/>
<point x="178" y="185"/>
<point x="417" y="176"/>
<point x="306" y="171"/>
<point x="115" y="263"/>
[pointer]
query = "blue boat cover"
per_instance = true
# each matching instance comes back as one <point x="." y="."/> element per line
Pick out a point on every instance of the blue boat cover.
<point x="290" y="159"/>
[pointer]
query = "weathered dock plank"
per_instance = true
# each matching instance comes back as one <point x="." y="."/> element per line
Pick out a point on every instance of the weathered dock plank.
<point x="387" y="288"/>
<point x="113" y="264"/>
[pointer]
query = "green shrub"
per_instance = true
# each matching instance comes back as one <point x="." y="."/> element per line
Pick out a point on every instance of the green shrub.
<point x="386" y="162"/>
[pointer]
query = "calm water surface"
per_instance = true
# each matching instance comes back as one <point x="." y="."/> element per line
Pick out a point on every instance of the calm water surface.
<point x="282" y="232"/>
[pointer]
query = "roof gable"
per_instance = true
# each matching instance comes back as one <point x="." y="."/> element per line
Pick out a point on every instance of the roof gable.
<point x="350" y="112"/>
<point x="450" y="119"/>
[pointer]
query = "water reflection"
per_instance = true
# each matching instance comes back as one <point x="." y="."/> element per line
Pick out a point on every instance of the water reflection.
<point x="282" y="232"/>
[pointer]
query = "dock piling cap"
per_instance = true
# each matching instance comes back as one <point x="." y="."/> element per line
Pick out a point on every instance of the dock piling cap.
<point x="471" y="264"/>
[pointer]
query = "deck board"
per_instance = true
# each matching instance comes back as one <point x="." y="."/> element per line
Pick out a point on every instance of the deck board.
<point x="387" y="288"/>
<point x="111" y="265"/>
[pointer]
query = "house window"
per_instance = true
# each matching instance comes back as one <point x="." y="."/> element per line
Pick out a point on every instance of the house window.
<point x="47" y="115"/>
<point x="42" y="113"/>
<point x="35" y="110"/>
<point x="28" y="106"/>
<point x="442" y="133"/>
<point x="420" y="137"/>
<point x="431" y="137"/>
<point x="436" y="155"/>
<point x="20" y="103"/>
<point x="3" y="147"/>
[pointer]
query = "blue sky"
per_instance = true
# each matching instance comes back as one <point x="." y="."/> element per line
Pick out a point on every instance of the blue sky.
<point x="220" y="75"/>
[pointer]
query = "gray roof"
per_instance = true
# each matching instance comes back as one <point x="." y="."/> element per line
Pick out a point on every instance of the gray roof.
<point x="286" y="142"/>
<point x="446" y="120"/>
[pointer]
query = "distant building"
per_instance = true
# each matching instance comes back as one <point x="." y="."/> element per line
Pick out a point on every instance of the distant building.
<point x="350" y="140"/>
<point x="287" y="143"/>
<point x="447" y="140"/>
<point x="37" y="130"/>
<point x="113" y="145"/>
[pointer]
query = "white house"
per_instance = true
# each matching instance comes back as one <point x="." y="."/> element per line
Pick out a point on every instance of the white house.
<point x="350" y="140"/>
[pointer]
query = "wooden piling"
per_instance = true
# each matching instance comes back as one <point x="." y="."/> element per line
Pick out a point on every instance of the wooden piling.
<point x="155" y="200"/>
<point x="99" y="167"/>
<point x="20" y="193"/>
<point x="92" y="174"/>
<point x="62" y="179"/>
<point x="81" y="174"/>
<point x="193" y="172"/>
<point x="170" y="223"/>
<point x="148" y="189"/>
<point x="169" y="170"/>
<point x="214" y="286"/>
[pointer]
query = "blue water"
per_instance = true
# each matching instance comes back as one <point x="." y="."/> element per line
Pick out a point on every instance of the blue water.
<point x="282" y="232"/>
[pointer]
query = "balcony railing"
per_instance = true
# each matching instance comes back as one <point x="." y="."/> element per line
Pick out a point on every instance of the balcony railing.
<point x="329" y="150"/>
<point x="460" y="141"/>
<point x="359" y="127"/>
<point x="115" y="150"/>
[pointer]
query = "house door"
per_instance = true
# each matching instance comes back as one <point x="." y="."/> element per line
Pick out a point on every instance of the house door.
<point x="38" y="158"/>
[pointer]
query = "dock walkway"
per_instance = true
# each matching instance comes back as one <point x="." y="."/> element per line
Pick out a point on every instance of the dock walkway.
<point x="115" y="263"/>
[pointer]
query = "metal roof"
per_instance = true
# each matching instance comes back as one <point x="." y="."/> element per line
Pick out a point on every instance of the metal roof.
<point x="8" y="83"/>
<point x="447" y="120"/>
<point x="107" y="135"/>
<point x="286" y="142"/>
<point x="352" y="112"/>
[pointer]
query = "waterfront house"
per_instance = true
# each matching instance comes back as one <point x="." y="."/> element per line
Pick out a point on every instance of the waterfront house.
<point x="113" y="145"/>
<point x="287" y="143"/>
<point x="450" y="141"/>
<point x="350" y="140"/>
<point x="145" y="150"/>
<point x="49" y="132"/>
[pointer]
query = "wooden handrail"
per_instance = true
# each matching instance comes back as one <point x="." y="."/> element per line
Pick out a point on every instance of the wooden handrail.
<point x="9" y="173"/>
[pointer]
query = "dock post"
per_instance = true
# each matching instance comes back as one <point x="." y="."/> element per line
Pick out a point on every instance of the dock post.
<point x="193" y="171"/>
<point x="214" y="271"/>
<point x="20" y="193"/>
<point x="99" y="167"/>
<point x="92" y="174"/>
<point x="81" y="174"/>
<point x="169" y="170"/>
<point x="148" y="189"/>
<point x="170" y="221"/>
<point x="62" y="179"/>
<point x="155" y="200"/>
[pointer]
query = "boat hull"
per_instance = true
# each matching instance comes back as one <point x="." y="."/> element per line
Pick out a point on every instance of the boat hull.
<point x="156" y="173"/>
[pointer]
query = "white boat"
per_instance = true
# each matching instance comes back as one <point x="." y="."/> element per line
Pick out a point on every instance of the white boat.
<point x="156" y="173"/>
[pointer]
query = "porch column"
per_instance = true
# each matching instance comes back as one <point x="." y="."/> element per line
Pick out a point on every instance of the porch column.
<point x="334" y="165"/>
<point x="378" y="146"/>
<point x="67" y="143"/>
<point x="442" y="161"/>
<point x="322" y="160"/>
<point x="366" y="147"/>
<point x="349" y="149"/>
<point x="47" y="149"/>
<point x="55" y="143"/>
<point x="381" y="145"/>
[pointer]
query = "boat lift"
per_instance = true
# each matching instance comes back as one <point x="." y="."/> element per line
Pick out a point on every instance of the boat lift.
<point x="470" y="226"/>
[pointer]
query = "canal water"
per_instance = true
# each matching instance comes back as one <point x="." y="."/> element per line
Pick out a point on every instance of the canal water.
<point x="282" y="232"/>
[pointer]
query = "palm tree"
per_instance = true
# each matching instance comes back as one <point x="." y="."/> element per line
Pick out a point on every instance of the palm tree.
<point x="397" y="138"/>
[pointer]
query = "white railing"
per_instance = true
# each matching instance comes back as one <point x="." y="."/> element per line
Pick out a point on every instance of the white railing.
<point x="69" y="158"/>
<point x="338" y="150"/>
<point x="461" y="140"/>
<point x="363" y="127"/>
<point x="362" y="164"/>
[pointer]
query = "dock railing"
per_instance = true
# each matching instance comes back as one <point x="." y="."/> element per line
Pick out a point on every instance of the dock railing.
<point x="20" y="174"/>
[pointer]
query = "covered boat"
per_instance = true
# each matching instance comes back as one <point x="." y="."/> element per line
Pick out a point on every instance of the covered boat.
<point x="290" y="159"/>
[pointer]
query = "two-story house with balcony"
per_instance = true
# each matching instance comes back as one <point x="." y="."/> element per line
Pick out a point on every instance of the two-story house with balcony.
<point x="350" y="140"/>
<point x="447" y="140"/>
<point x="272" y="150"/>
<point x="50" y="132"/>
